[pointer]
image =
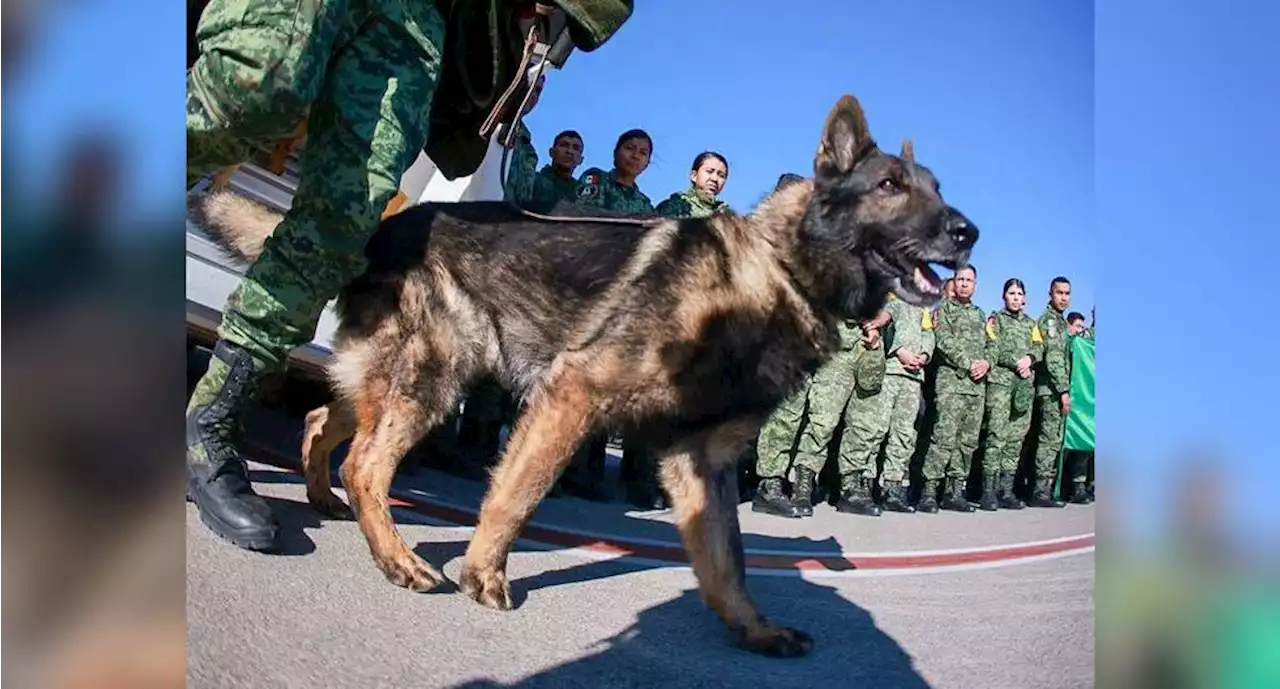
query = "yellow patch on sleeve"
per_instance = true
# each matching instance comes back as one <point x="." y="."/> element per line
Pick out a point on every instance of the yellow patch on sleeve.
<point x="926" y="320"/>
<point x="1036" y="337"/>
<point x="991" y="328"/>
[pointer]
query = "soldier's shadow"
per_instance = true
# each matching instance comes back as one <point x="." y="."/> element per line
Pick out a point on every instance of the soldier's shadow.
<point x="681" y="643"/>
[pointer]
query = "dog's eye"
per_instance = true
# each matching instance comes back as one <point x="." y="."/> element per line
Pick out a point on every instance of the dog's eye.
<point x="889" y="184"/>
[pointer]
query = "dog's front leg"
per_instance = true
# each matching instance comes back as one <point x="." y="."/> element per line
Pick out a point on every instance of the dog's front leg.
<point x="553" y="424"/>
<point x="700" y="476"/>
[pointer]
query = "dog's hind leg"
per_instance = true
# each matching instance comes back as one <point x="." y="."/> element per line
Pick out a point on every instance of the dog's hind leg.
<point x="326" y="428"/>
<point x="701" y="477"/>
<point x="554" y="422"/>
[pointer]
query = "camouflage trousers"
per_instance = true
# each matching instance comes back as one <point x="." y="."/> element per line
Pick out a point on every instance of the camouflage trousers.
<point x="363" y="76"/>
<point x="893" y="416"/>
<point x="1049" y="436"/>
<point x="955" y="436"/>
<point x="1006" y="431"/>
<point x="778" y="435"/>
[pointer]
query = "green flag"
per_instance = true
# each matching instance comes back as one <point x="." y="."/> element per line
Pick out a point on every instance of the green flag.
<point x="1078" y="434"/>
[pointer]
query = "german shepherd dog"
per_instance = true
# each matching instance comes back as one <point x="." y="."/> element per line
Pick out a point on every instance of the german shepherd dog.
<point x="688" y="330"/>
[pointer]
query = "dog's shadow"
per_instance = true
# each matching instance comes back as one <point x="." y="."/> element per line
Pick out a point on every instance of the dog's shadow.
<point x="681" y="643"/>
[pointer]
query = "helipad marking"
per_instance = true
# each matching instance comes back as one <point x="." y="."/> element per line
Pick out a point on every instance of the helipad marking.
<point x="767" y="562"/>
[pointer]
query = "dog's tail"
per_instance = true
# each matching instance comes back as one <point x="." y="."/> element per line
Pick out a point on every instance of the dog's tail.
<point x="236" y="224"/>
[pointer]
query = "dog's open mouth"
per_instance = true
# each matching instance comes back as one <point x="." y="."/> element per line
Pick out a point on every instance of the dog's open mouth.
<point x="912" y="279"/>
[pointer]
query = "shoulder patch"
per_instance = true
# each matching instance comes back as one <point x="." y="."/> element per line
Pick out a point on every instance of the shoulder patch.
<point x="926" y="320"/>
<point x="1053" y="328"/>
<point x="590" y="187"/>
<point x="1036" y="337"/>
<point x="991" y="327"/>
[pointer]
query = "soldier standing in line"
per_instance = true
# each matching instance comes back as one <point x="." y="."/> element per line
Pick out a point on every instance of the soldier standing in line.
<point x="1014" y="345"/>
<point x="1053" y="392"/>
<point x="960" y="389"/>
<point x="555" y="181"/>
<point x="893" y="411"/>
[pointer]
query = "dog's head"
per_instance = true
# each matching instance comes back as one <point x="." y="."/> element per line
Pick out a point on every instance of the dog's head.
<point x="878" y="220"/>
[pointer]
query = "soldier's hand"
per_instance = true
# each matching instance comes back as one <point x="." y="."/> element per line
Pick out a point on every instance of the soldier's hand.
<point x="1066" y="403"/>
<point x="979" y="369"/>
<point x="1024" y="367"/>
<point x="907" y="358"/>
<point x="871" y="338"/>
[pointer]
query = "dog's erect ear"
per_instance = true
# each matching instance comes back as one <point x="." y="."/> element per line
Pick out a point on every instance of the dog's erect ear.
<point x="908" y="153"/>
<point x="845" y="139"/>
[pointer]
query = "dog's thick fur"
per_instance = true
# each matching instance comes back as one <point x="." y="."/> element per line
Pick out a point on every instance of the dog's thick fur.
<point x="692" y="330"/>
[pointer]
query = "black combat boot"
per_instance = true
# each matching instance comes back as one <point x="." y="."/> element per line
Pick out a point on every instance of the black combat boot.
<point x="802" y="492"/>
<point x="929" y="497"/>
<point x="954" y="500"/>
<point x="855" y="496"/>
<point x="988" y="502"/>
<point x="895" y="498"/>
<point x="217" y="475"/>
<point x="1079" y="496"/>
<point x="1043" y="496"/>
<point x="770" y="500"/>
<point x="1008" y="500"/>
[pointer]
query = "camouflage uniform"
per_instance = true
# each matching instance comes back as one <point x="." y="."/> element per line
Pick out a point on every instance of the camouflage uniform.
<point x="1010" y="337"/>
<point x="364" y="75"/>
<point x="549" y="186"/>
<point x="600" y="189"/>
<point x="1053" y="378"/>
<point x="523" y="167"/>
<point x="854" y="369"/>
<point x="961" y="339"/>
<point x="893" y="411"/>
<point x="692" y="203"/>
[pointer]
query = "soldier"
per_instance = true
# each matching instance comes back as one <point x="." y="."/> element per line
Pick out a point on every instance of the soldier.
<point x="1014" y="345"/>
<point x="365" y="79"/>
<point x="617" y="189"/>
<point x="708" y="175"/>
<point x="959" y="391"/>
<point x="555" y="182"/>
<point x="892" y="411"/>
<point x="1053" y="392"/>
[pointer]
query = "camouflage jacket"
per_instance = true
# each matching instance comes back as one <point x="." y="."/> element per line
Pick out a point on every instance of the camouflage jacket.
<point x="550" y="186"/>
<point x="1009" y="338"/>
<point x="522" y="169"/>
<point x="599" y="189"/>
<point x="692" y="203"/>
<point x="911" y="327"/>
<point x="961" y="340"/>
<point x="1053" y="371"/>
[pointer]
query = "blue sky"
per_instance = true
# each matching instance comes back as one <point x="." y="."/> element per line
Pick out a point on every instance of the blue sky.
<point x="1133" y="154"/>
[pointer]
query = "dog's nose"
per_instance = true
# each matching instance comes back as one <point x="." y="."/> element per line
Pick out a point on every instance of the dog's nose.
<point x="960" y="230"/>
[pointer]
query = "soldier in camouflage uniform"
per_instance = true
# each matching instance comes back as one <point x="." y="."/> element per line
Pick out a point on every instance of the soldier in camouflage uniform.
<point x="617" y="189"/>
<point x="959" y="391"/>
<point x="555" y="181"/>
<point x="1053" y="392"/>
<point x="892" y="412"/>
<point x="709" y="173"/>
<point x="1014" y="345"/>
<point x="364" y="75"/>
<point x="857" y="367"/>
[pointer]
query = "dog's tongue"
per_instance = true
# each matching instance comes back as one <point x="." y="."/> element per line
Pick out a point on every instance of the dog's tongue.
<point x="926" y="282"/>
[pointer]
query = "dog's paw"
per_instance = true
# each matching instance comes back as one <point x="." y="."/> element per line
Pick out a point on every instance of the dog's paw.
<point x="329" y="505"/>
<point x="486" y="587"/>
<point x="410" y="571"/>
<point x="776" y="642"/>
